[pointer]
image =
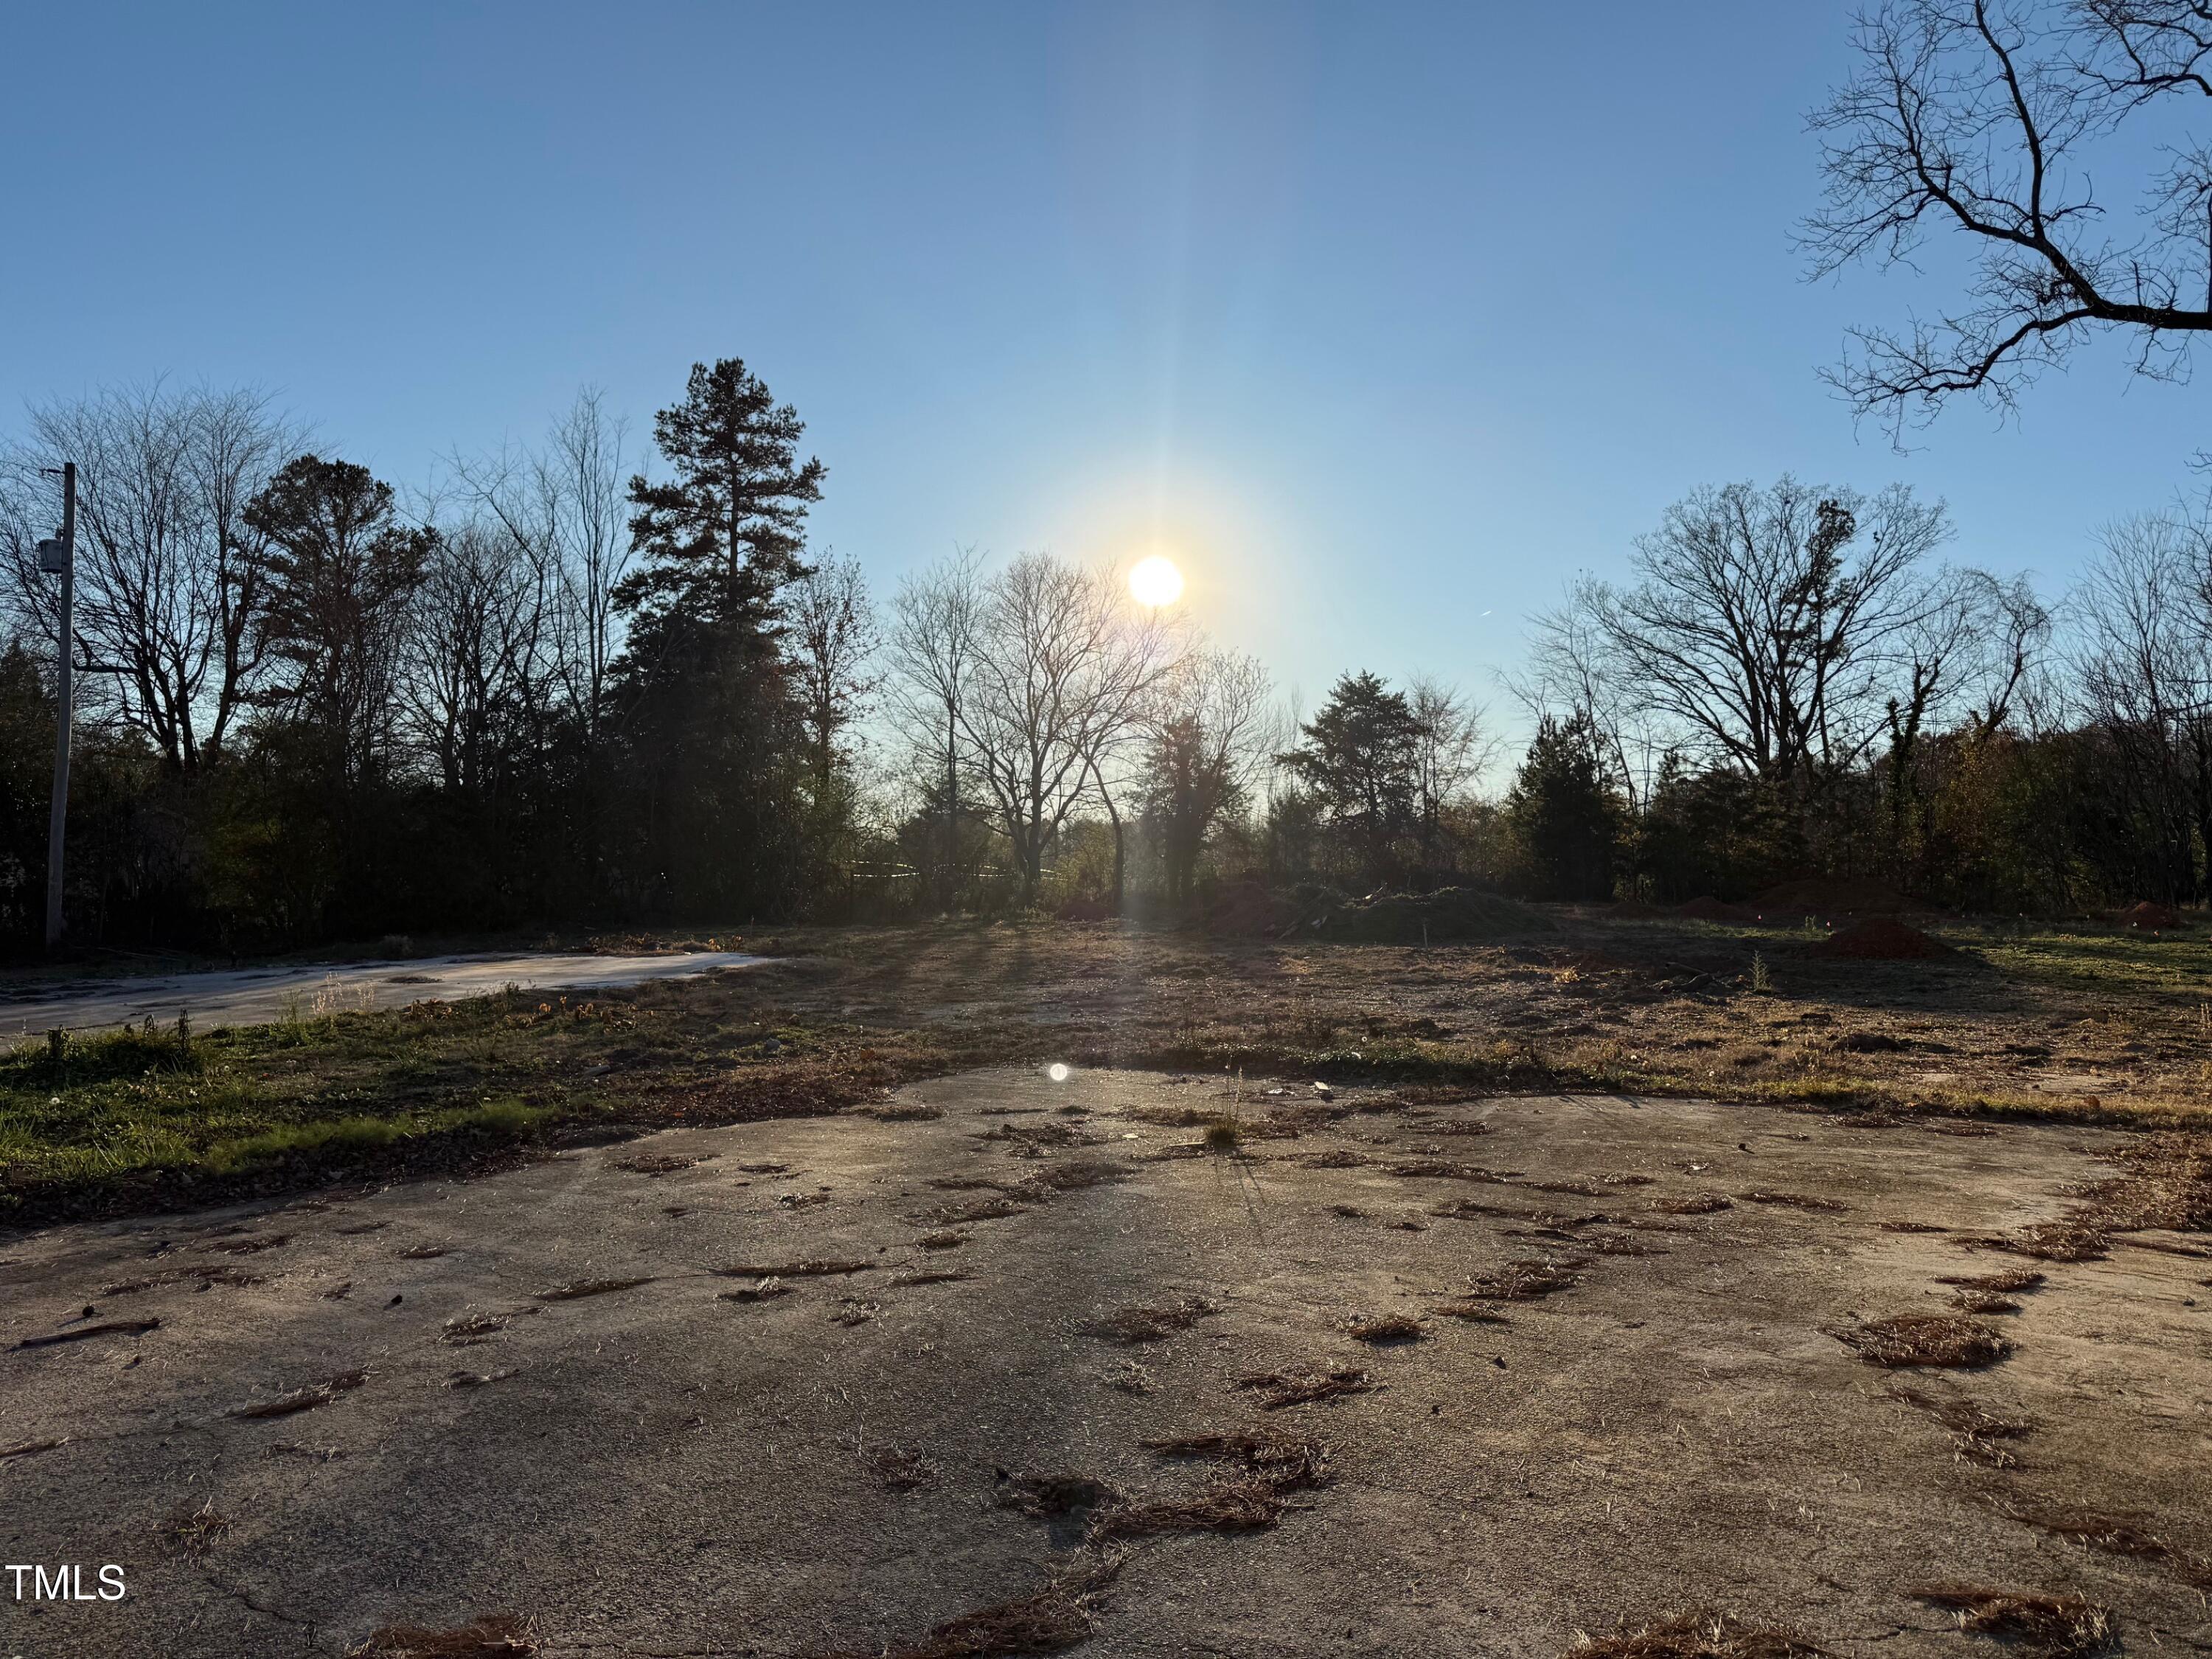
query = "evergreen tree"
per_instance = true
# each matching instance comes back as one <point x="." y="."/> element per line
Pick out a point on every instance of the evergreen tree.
<point x="1358" y="764"/>
<point x="1566" y="812"/>
<point x="713" y="731"/>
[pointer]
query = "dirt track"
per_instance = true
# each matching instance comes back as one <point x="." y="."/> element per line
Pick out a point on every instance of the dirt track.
<point x="652" y="1469"/>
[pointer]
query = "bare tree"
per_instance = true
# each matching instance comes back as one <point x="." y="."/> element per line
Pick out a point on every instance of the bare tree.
<point x="2144" y="614"/>
<point x="1058" y="670"/>
<point x="171" y="574"/>
<point x="1764" y="626"/>
<point x="832" y="636"/>
<point x="1992" y="120"/>
<point x="935" y="627"/>
<point x="1210" y="732"/>
<point x="1136" y="652"/>
<point x="477" y="671"/>
<point x="1455" y="747"/>
<point x="566" y="507"/>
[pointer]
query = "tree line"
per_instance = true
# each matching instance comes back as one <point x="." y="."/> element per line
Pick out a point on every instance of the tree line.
<point x="556" y="687"/>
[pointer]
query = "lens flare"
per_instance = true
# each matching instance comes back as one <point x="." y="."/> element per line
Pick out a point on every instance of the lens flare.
<point x="1056" y="1071"/>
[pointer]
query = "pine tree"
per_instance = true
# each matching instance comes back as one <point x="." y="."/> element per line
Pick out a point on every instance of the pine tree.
<point x="1566" y="812"/>
<point x="712" y="729"/>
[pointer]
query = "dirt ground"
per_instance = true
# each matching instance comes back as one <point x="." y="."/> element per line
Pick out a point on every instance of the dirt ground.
<point x="569" y="1394"/>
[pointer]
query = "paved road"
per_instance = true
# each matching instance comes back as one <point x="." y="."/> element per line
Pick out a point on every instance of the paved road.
<point x="257" y="996"/>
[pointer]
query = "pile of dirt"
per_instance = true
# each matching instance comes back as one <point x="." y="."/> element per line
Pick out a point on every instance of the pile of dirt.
<point x="1254" y="909"/>
<point x="1451" y="914"/>
<point x="2151" y="918"/>
<point x="1709" y="909"/>
<point x="1881" y="938"/>
<point x="1829" y="895"/>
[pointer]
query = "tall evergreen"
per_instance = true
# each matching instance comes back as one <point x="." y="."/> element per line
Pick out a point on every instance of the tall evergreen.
<point x="712" y="724"/>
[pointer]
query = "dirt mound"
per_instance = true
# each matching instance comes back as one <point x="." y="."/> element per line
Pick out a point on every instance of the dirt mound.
<point x="1449" y="914"/>
<point x="1881" y="938"/>
<point x="1252" y="907"/>
<point x="1836" y="896"/>
<point x="1709" y="909"/>
<point x="2151" y="918"/>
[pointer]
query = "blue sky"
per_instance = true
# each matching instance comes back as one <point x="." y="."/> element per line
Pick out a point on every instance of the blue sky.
<point x="1385" y="319"/>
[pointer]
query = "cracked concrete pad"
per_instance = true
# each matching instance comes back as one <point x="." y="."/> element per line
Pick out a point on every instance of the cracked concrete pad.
<point x="563" y="1415"/>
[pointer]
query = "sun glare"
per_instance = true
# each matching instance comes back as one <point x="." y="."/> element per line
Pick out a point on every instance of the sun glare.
<point x="1155" y="581"/>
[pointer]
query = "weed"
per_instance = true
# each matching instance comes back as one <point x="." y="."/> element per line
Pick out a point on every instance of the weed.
<point x="199" y="1531"/>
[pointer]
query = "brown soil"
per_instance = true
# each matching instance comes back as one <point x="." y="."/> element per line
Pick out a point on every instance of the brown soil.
<point x="2151" y="918"/>
<point x="1881" y="938"/>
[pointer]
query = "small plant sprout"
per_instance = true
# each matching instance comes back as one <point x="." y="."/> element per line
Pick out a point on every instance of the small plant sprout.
<point x="1762" y="981"/>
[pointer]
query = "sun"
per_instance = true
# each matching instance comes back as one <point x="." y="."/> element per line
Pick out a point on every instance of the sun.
<point x="1155" y="581"/>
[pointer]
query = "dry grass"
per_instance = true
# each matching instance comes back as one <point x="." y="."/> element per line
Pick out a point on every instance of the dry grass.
<point x="1695" y="1203"/>
<point x="2127" y="1536"/>
<point x="1384" y="1329"/>
<point x="1701" y="1635"/>
<point x="1792" y="1200"/>
<point x="1978" y="1435"/>
<point x="1528" y="1280"/>
<point x="1302" y="1385"/>
<point x="1938" y="1339"/>
<point x="494" y="1636"/>
<point x="1984" y="1302"/>
<point x="2007" y="1282"/>
<point x="1303" y="1463"/>
<point x="199" y="1531"/>
<point x="895" y="1469"/>
<point x="1151" y="1323"/>
<point x="2050" y="1627"/>
<point x="805" y="1268"/>
<point x="1049" y="1497"/>
<point x="305" y="1400"/>
<point x="1471" y="1309"/>
<point x="581" y="1288"/>
<point x="1053" y="1620"/>
<point x="1268" y="1470"/>
<point x="766" y="1290"/>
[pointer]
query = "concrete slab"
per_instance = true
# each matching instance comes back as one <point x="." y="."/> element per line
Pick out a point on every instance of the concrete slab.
<point x="259" y="996"/>
<point x="650" y="1468"/>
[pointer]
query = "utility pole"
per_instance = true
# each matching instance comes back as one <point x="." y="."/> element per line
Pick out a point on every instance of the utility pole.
<point x="59" y="557"/>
